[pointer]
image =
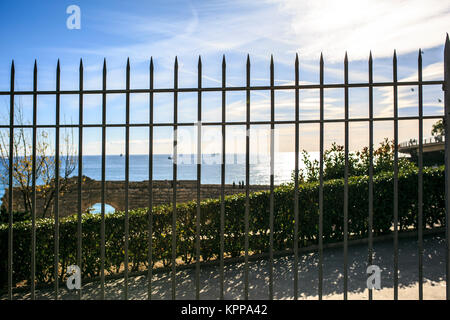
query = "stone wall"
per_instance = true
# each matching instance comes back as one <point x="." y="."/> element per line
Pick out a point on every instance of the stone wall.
<point x="115" y="194"/>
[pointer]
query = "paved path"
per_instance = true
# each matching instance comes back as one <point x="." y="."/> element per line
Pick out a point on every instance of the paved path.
<point x="434" y="274"/>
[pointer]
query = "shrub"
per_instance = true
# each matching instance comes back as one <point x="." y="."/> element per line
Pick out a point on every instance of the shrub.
<point x="17" y="215"/>
<point x="434" y="213"/>
<point x="358" y="162"/>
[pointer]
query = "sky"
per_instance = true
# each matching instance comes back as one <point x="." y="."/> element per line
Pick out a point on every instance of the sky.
<point x="116" y="30"/>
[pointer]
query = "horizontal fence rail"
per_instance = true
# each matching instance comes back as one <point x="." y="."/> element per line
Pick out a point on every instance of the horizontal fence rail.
<point x="297" y="121"/>
<point x="233" y="123"/>
<point x="234" y="88"/>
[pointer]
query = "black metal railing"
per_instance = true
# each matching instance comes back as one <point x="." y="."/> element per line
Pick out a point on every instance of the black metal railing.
<point x="297" y="87"/>
<point x="428" y="140"/>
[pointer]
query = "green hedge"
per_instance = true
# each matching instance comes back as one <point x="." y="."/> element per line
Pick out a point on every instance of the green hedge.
<point x="434" y="213"/>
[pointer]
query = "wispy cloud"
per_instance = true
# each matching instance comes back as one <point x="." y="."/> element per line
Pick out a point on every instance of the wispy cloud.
<point x="408" y="96"/>
<point x="284" y="26"/>
<point x="361" y="25"/>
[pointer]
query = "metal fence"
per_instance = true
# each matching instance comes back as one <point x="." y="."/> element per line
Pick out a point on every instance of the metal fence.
<point x="297" y="87"/>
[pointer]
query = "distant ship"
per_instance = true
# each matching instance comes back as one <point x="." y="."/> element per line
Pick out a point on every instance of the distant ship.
<point x="169" y="157"/>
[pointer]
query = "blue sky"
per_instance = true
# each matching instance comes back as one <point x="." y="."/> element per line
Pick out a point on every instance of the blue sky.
<point x="116" y="30"/>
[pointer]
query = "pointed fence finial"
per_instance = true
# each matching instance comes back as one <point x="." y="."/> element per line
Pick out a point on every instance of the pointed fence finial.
<point x="199" y="72"/>
<point x="321" y="63"/>
<point x="35" y="75"/>
<point x="223" y="60"/>
<point x="271" y="67"/>
<point x="81" y="77"/>
<point x="58" y="78"/>
<point x="58" y="75"/>
<point x="271" y="71"/>
<point x="446" y="85"/>
<point x="447" y="45"/>
<point x="13" y="76"/>
<point x="104" y="68"/>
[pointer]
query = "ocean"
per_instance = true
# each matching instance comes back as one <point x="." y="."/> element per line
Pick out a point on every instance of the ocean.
<point x="284" y="163"/>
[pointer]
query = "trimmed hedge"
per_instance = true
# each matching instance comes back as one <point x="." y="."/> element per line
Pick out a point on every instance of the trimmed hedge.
<point x="433" y="210"/>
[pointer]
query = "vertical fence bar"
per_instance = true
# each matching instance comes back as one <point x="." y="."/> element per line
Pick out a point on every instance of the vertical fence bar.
<point x="395" y="177"/>
<point x="420" y="179"/>
<point x="199" y="174"/>
<point x="33" y="182"/>
<point x="127" y="176"/>
<point x="80" y="175"/>
<point x="222" y="182"/>
<point x="247" y="178"/>
<point x="150" y="187"/>
<point x="346" y="180"/>
<point x="103" y="186"/>
<point x="272" y="164"/>
<point x="10" y="176"/>
<point x="321" y="181"/>
<point x="447" y="159"/>
<point x="297" y="154"/>
<point x="174" y="200"/>
<point x="57" y="116"/>
<point x="370" y="253"/>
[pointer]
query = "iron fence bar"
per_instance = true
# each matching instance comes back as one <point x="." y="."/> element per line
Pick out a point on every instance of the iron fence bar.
<point x="218" y="89"/>
<point x="420" y="180"/>
<point x="174" y="159"/>
<point x="103" y="188"/>
<point x="150" y="187"/>
<point x="57" y="116"/>
<point x="80" y="176"/>
<point x="446" y="121"/>
<point x="297" y="154"/>
<point x="321" y="182"/>
<point x="33" y="183"/>
<point x="233" y="123"/>
<point x="395" y="178"/>
<point x="222" y="182"/>
<point x="127" y="179"/>
<point x="346" y="181"/>
<point x="272" y="164"/>
<point x="370" y="224"/>
<point x="199" y="173"/>
<point x="10" y="190"/>
<point x="247" y="178"/>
